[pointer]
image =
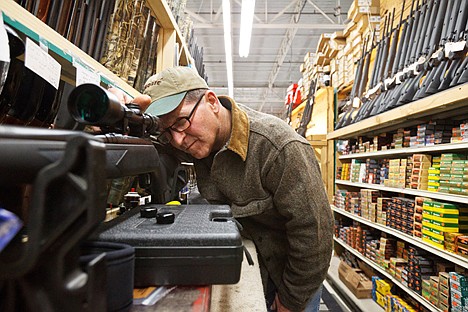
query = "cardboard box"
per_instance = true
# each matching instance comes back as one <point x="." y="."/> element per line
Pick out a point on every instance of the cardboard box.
<point x="355" y="280"/>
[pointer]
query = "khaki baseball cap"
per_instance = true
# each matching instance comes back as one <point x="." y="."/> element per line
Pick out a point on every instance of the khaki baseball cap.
<point x="167" y="89"/>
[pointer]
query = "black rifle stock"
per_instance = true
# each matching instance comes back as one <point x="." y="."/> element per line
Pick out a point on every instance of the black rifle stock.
<point x="365" y="80"/>
<point x="307" y="115"/>
<point x="391" y="65"/>
<point x="440" y="61"/>
<point x="375" y="93"/>
<point x="398" y="67"/>
<point x="409" y="56"/>
<point x="64" y="172"/>
<point x="434" y="59"/>
<point x="392" y="56"/>
<point x="374" y="85"/>
<point x="461" y="76"/>
<point x="384" y="64"/>
<point x="383" y="72"/>
<point x="431" y="39"/>
<point x="365" y="69"/>
<point x="380" y="51"/>
<point x="415" y="73"/>
<point x="357" y="87"/>
<point x="457" y="49"/>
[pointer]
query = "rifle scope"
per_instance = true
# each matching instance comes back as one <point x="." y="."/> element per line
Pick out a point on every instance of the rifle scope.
<point x="91" y="104"/>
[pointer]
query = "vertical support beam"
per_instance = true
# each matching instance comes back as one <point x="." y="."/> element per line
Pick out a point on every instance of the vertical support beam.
<point x="330" y="145"/>
<point x="166" y="49"/>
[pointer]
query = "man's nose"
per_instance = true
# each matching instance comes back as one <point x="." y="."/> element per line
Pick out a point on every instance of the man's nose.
<point x="177" y="138"/>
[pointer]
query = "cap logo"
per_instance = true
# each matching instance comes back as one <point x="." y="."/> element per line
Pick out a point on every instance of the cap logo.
<point x="152" y="83"/>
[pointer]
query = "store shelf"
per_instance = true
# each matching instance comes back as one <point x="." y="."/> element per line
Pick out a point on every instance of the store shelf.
<point x="434" y="195"/>
<point x="378" y="268"/>
<point x="439" y="148"/>
<point x="449" y="100"/>
<point x="164" y="16"/>
<point x="461" y="261"/>
<point x="32" y="27"/>
<point x="361" y="304"/>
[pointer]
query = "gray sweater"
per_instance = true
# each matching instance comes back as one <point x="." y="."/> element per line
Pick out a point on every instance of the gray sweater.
<point x="270" y="177"/>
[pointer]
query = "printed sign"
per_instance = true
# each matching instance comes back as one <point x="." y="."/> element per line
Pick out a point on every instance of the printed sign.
<point x="41" y="63"/>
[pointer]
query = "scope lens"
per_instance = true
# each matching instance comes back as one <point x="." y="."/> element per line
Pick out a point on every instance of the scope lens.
<point x="91" y="105"/>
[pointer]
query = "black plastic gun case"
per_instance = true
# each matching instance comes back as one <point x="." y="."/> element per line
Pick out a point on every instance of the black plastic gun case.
<point x="202" y="246"/>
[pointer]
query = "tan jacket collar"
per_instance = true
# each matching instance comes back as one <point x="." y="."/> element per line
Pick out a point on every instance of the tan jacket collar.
<point x="240" y="129"/>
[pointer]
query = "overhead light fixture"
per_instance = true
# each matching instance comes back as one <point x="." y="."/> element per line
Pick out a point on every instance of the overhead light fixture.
<point x="247" y="14"/>
<point x="228" y="45"/>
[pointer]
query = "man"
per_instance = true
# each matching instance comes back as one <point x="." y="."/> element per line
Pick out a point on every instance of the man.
<point x="266" y="172"/>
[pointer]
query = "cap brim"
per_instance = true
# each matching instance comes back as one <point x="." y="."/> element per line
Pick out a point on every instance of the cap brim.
<point x="166" y="104"/>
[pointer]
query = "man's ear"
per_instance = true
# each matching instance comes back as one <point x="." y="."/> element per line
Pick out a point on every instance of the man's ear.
<point x="213" y="101"/>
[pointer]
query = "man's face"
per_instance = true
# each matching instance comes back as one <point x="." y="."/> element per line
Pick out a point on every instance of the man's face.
<point x="199" y="137"/>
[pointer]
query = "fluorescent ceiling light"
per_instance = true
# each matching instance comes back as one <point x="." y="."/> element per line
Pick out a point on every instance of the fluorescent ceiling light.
<point x="247" y="14"/>
<point x="228" y="45"/>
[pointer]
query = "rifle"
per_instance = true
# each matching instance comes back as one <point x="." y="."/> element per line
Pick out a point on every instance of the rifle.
<point x="369" y="98"/>
<point x="376" y="92"/>
<point x="307" y="115"/>
<point x="386" y="48"/>
<point x="392" y="61"/>
<point x="364" y="100"/>
<point x="54" y="181"/>
<point x="431" y="39"/>
<point x="415" y="35"/>
<point x="457" y="48"/>
<point x="398" y="67"/>
<point x="354" y="97"/>
<point x="438" y="61"/>
<point x="461" y="75"/>
<point x="400" y="42"/>
<point x="378" y="59"/>
<point x="65" y="175"/>
<point x="392" y="55"/>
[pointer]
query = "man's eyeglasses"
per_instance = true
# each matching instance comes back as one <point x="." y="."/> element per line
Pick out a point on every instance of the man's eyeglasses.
<point x="180" y="125"/>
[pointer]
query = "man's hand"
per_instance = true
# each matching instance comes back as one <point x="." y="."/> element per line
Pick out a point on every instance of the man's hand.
<point x="279" y="306"/>
<point x="141" y="100"/>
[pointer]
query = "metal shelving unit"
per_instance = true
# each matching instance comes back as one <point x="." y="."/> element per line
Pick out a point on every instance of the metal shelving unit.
<point x="361" y="304"/>
<point x="436" y="149"/>
<point x="449" y="102"/>
<point x="434" y="195"/>
<point x="382" y="271"/>
<point x="446" y="104"/>
<point x="461" y="261"/>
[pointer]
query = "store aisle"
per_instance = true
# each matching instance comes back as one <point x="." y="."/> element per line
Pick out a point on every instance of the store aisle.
<point x="331" y="301"/>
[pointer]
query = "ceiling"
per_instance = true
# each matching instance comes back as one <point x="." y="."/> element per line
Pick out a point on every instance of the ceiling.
<point x="283" y="32"/>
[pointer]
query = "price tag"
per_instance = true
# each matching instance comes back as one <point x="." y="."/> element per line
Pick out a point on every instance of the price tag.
<point x="84" y="75"/>
<point x="448" y="48"/>
<point x="4" y="47"/>
<point x="356" y="102"/>
<point x="459" y="46"/>
<point x="42" y="63"/>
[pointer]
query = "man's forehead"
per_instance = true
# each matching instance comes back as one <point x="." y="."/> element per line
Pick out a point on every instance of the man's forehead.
<point x="168" y="119"/>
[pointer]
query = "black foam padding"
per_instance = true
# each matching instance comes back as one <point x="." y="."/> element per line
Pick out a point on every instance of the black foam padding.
<point x="120" y="263"/>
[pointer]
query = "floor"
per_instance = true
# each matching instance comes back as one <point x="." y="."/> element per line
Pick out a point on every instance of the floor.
<point x="331" y="301"/>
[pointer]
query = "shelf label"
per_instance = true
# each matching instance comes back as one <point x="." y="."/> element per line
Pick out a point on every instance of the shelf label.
<point x="4" y="47"/>
<point x="42" y="63"/>
<point x="84" y="75"/>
